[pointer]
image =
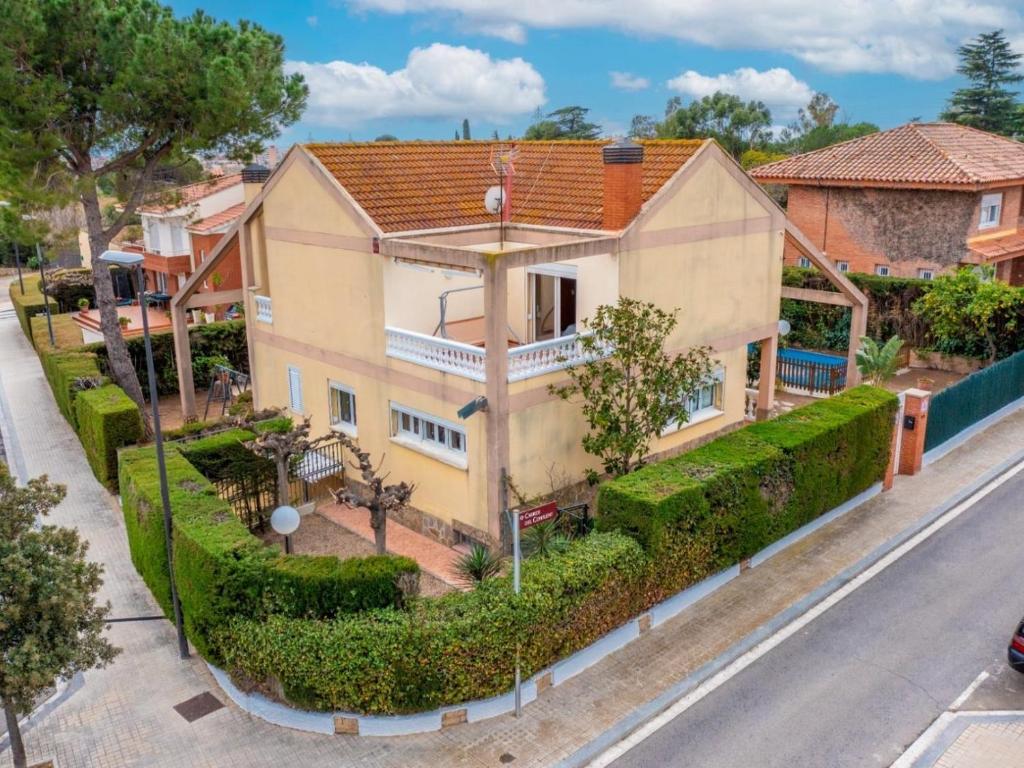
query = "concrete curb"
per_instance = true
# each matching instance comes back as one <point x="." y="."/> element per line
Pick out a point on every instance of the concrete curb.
<point x="947" y="728"/>
<point x="641" y="715"/>
<point x="474" y="711"/>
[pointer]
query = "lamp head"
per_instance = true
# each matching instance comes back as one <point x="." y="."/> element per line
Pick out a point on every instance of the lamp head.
<point x="285" y="520"/>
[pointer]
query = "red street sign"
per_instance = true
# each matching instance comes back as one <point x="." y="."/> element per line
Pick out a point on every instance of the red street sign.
<point x="541" y="514"/>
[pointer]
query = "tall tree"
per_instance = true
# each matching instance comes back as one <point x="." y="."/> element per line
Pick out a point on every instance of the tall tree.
<point x="733" y="123"/>
<point x="97" y="87"/>
<point x="50" y="624"/>
<point x="643" y="127"/>
<point x="465" y="129"/>
<point x="987" y="103"/>
<point x="820" y="112"/>
<point x="565" y="123"/>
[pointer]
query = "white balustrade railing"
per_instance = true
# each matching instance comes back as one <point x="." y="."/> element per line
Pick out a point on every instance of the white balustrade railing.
<point x="467" y="360"/>
<point x="437" y="353"/>
<point x="264" y="310"/>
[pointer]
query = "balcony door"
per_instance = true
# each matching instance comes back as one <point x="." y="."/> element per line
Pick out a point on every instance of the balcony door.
<point x="552" y="292"/>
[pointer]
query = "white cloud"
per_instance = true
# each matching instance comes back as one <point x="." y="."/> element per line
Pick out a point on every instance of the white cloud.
<point x="312" y="21"/>
<point x="437" y="81"/>
<point x="917" y="38"/>
<point x="625" y="81"/>
<point x="777" y="87"/>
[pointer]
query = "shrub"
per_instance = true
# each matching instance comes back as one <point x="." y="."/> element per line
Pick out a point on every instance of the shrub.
<point x="222" y="571"/>
<point x="62" y="370"/>
<point x="31" y="304"/>
<point x="67" y="334"/>
<point x="107" y="420"/>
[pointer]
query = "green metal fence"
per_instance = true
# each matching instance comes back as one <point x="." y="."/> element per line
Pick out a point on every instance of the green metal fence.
<point x="969" y="401"/>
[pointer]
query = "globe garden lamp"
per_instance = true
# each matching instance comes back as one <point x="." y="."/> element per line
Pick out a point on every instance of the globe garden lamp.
<point x="285" y="521"/>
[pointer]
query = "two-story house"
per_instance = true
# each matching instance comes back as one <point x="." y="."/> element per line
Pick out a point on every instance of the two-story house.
<point x="388" y="285"/>
<point x="913" y="201"/>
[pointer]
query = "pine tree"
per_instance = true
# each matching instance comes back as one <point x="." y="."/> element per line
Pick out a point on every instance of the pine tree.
<point x="991" y="65"/>
<point x="465" y="129"/>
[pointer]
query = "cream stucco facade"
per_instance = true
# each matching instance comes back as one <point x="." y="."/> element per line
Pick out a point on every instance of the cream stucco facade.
<point x="333" y="299"/>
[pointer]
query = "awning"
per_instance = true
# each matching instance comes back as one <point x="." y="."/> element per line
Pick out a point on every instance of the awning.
<point x="999" y="248"/>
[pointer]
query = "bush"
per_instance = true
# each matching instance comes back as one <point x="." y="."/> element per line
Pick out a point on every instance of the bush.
<point x="107" y="420"/>
<point x="741" y="492"/>
<point x="222" y="571"/>
<point x="62" y="370"/>
<point x="67" y="334"/>
<point x="31" y="304"/>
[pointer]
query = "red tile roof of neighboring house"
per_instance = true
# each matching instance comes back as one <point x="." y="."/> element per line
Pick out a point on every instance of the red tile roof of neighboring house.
<point x="191" y="193"/>
<point x="916" y="155"/>
<point x="426" y="185"/>
<point x="999" y="248"/>
<point x="211" y="223"/>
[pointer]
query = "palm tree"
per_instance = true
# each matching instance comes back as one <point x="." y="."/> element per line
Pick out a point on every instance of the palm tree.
<point x="877" y="363"/>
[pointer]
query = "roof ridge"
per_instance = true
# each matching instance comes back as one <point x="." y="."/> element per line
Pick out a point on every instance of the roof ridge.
<point x="955" y="163"/>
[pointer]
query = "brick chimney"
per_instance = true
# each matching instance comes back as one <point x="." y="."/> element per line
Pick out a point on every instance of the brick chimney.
<point x="623" y="183"/>
<point x="254" y="176"/>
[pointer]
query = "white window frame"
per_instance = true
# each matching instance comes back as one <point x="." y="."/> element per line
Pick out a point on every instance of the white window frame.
<point x="843" y="266"/>
<point x="882" y="270"/>
<point x="296" y="404"/>
<point x="153" y="231"/>
<point x="716" y="384"/>
<point x="926" y="274"/>
<point x="428" y="434"/>
<point x="804" y="262"/>
<point x="991" y="202"/>
<point x="348" y="427"/>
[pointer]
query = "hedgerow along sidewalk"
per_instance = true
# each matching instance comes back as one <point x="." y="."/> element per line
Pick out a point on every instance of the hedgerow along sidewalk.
<point x="123" y="715"/>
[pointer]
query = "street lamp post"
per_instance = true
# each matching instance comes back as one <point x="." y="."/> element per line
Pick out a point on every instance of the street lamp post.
<point x="46" y="299"/>
<point x="133" y="261"/>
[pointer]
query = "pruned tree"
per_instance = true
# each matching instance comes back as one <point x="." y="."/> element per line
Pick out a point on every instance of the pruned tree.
<point x="378" y="497"/>
<point x="50" y="624"/>
<point x="119" y="88"/>
<point x="630" y="387"/>
<point x="281" y="447"/>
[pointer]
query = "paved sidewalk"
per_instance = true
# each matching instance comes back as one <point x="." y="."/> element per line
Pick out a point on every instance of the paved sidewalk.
<point x="987" y="745"/>
<point x="123" y="716"/>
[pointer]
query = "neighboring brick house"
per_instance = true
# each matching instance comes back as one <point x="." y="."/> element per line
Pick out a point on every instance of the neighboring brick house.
<point x="913" y="201"/>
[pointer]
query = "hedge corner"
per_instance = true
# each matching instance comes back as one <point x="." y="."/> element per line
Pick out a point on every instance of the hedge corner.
<point x="107" y="420"/>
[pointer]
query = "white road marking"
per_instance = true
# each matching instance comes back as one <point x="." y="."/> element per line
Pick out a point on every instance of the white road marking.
<point x="727" y="673"/>
<point x="963" y="697"/>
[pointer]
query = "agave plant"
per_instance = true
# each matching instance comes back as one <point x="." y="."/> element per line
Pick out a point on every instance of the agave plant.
<point x="544" y="539"/>
<point x="877" y="363"/>
<point x="478" y="565"/>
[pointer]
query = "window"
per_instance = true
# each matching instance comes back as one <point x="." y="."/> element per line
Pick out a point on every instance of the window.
<point x="153" y="231"/>
<point x="991" y="210"/>
<point x="295" y="389"/>
<point x="925" y="274"/>
<point x="805" y="262"/>
<point x="844" y="266"/>
<point x="704" y="403"/>
<point x="882" y="270"/>
<point x="342" y="404"/>
<point x="428" y="433"/>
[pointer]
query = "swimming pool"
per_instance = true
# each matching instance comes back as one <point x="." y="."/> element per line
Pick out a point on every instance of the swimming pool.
<point x="812" y="371"/>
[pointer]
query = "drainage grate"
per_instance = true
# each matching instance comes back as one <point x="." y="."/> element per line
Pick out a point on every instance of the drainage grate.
<point x="198" y="706"/>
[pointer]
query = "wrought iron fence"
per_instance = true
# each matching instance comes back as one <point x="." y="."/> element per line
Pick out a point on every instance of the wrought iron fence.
<point x="575" y="520"/>
<point x="970" y="400"/>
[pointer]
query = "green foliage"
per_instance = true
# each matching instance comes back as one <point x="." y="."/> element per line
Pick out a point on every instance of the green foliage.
<point x="30" y="304"/>
<point x="823" y="136"/>
<point x="564" y="123"/>
<point x="990" y="64"/>
<point x="972" y="399"/>
<point x="970" y="310"/>
<point x="69" y="287"/>
<point x="447" y="650"/>
<point x="222" y="570"/>
<point x="723" y="502"/>
<point x="877" y="363"/>
<point x="50" y="623"/>
<point x="543" y="539"/>
<point x="66" y="333"/>
<point x="630" y="395"/>
<point x="478" y="565"/>
<point x="733" y="123"/>
<point x="107" y="419"/>
<point x="62" y="370"/>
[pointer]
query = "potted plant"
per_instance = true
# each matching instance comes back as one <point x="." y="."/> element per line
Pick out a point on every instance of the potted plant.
<point x="124" y="322"/>
<point x="83" y="306"/>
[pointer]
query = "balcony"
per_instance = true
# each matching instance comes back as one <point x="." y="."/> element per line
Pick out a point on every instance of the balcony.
<point x="264" y="309"/>
<point x="469" y="361"/>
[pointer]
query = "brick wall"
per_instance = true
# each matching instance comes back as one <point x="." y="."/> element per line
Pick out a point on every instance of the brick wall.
<point x="230" y="267"/>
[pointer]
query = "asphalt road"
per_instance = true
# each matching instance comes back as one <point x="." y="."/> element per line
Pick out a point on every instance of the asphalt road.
<point x="857" y="685"/>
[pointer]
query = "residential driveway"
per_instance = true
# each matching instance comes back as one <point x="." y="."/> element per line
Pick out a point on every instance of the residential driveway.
<point x="861" y="682"/>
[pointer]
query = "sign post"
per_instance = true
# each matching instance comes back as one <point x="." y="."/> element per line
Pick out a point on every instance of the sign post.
<point x="521" y="520"/>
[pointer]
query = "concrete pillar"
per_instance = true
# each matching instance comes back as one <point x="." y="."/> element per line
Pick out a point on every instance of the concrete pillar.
<point x="915" y="425"/>
<point x="766" y="377"/>
<point x="858" y="328"/>
<point x="496" y="367"/>
<point x="183" y="362"/>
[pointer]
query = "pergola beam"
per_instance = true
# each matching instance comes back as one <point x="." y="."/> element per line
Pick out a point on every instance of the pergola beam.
<point x="199" y="300"/>
<point x="821" y="297"/>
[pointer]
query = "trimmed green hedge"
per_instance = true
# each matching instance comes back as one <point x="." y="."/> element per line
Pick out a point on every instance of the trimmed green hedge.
<point x="29" y="305"/>
<point x="107" y="419"/>
<point x="61" y="370"/>
<point x="222" y="570"/>
<point x="742" y="492"/>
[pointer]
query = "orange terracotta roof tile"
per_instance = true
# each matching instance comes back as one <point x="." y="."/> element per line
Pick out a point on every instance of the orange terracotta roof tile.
<point x="190" y="193"/>
<point x="924" y="155"/>
<point x="426" y="185"/>
<point x="211" y="223"/>
<point x="999" y="248"/>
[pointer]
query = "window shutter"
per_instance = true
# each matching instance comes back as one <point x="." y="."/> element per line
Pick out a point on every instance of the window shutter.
<point x="295" y="389"/>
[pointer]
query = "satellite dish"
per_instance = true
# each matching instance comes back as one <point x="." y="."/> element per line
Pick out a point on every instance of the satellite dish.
<point x="493" y="199"/>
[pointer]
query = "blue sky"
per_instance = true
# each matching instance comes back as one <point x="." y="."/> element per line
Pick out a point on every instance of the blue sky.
<point x="415" y="68"/>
